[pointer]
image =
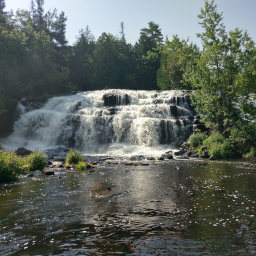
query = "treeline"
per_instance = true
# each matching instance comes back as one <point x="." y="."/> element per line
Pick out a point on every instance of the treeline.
<point x="35" y="61"/>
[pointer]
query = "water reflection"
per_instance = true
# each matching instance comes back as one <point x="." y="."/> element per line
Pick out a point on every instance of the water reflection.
<point x="196" y="209"/>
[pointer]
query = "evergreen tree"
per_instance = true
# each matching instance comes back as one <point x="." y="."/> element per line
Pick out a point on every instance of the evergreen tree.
<point x="148" y="57"/>
<point x="58" y="29"/>
<point x="81" y="61"/>
<point x="37" y="12"/>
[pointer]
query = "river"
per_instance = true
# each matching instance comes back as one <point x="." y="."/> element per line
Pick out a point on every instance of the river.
<point x="165" y="208"/>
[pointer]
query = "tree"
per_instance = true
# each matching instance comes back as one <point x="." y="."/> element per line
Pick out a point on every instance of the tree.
<point x="148" y="57"/>
<point x="113" y="63"/>
<point x="81" y="61"/>
<point x="37" y="12"/>
<point x="150" y="39"/>
<point x="11" y="60"/>
<point x="58" y="29"/>
<point x="32" y="63"/>
<point x="178" y="57"/>
<point x="224" y="77"/>
<point x="3" y="14"/>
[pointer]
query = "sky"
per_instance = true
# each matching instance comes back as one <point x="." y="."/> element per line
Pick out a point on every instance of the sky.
<point x="173" y="16"/>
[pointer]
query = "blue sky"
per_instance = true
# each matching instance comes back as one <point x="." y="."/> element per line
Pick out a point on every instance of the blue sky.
<point x="173" y="16"/>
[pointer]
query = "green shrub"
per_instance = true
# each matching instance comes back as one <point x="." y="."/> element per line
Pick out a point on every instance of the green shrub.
<point x="251" y="154"/>
<point x="36" y="161"/>
<point x="196" y="139"/>
<point x="81" y="166"/>
<point x="223" y="150"/>
<point x="213" y="139"/>
<point x="73" y="157"/>
<point x="11" y="166"/>
<point x="243" y="138"/>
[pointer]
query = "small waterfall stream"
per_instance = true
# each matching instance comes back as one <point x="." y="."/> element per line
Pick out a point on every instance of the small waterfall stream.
<point x="113" y="122"/>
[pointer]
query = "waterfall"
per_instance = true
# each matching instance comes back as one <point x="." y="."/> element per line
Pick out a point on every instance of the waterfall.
<point x="113" y="122"/>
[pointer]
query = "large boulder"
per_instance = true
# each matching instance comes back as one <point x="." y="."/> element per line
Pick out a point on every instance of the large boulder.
<point x="23" y="152"/>
<point x="100" y="190"/>
<point x="59" y="154"/>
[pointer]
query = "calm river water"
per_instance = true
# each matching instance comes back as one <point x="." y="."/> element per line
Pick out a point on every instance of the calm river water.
<point x="175" y="208"/>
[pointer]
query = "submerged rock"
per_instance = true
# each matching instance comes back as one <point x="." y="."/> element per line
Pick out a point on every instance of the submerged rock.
<point x="179" y="152"/>
<point x="204" y="155"/>
<point x="212" y="157"/>
<point x="58" y="164"/>
<point x="100" y="190"/>
<point x="150" y="158"/>
<point x="48" y="172"/>
<point x="136" y="158"/>
<point x="91" y="165"/>
<point x="167" y="155"/>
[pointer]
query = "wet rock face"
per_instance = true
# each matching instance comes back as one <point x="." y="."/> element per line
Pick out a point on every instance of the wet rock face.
<point x="100" y="190"/>
<point x="111" y="100"/>
<point x="115" y="120"/>
<point x="29" y="104"/>
<point x="174" y="110"/>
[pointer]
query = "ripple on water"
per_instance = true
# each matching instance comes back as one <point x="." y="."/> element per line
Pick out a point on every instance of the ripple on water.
<point x="158" y="210"/>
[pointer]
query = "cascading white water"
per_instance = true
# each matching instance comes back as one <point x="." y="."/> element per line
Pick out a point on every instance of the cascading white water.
<point x="112" y="122"/>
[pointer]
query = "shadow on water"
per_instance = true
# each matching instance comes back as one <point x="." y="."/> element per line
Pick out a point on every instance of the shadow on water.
<point x="175" y="208"/>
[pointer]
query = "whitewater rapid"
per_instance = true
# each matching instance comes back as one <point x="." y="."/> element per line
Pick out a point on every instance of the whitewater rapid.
<point x="109" y="122"/>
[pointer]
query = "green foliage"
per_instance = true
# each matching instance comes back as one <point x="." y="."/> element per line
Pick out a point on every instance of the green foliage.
<point x="30" y="51"/>
<point x="214" y="138"/>
<point x="223" y="150"/>
<point x="150" y="38"/>
<point x="147" y="54"/>
<point x="243" y="137"/>
<point x="221" y="79"/>
<point x="73" y="157"/>
<point x="219" y="147"/>
<point x="112" y="63"/>
<point x="178" y="57"/>
<point x="11" y="166"/>
<point x="196" y="139"/>
<point x="36" y="161"/>
<point x="81" y="166"/>
<point x="81" y="62"/>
